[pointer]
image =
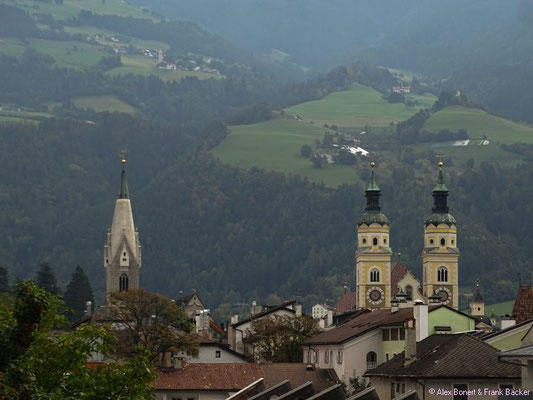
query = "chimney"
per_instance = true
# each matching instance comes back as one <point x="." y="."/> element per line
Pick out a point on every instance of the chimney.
<point x="507" y="322"/>
<point x="255" y="309"/>
<point x="298" y="309"/>
<point x="394" y="303"/>
<point x="420" y="312"/>
<point x="410" y="342"/>
<point x="202" y="323"/>
<point x="329" y="321"/>
<point x="88" y="308"/>
<point x="166" y="359"/>
<point x="234" y="319"/>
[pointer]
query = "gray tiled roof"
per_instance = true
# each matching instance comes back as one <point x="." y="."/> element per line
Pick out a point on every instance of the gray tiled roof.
<point x="450" y="356"/>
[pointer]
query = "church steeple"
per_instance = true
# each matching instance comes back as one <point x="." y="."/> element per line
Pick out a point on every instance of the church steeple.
<point x="122" y="251"/>
<point x="123" y="192"/>
<point x="373" y="253"/>
<point x="440" y="194"/>
<point x="440" y="255"/>
<point x="372" y="192"/>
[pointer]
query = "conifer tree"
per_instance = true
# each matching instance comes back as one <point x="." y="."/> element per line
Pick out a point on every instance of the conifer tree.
<point x="46" y="279"/>
<point x="4" y="280"/>
<point x="78" y="293"/>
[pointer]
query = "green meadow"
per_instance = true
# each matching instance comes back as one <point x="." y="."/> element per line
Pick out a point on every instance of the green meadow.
<point x="480" y="124"/>
<point x="65" y="53"/>
<point x="275" y="145"/>
<point x="104" y="103"/>
<point x="499" y="308"/>
<point x="125" y="40"/>
<point x="71" y="8"/>
<point x="358" y="107"/>
<point x="139" y="65"/>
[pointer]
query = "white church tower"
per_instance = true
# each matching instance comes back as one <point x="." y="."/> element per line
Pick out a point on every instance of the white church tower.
<point x="122" y="250"/>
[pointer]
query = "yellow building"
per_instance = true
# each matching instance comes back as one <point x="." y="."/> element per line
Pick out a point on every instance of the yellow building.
<point x="373" y="254"/>
<point x="440" y="255"/>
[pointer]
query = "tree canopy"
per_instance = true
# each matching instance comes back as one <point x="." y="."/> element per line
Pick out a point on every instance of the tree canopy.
<point x="41" y="359"/>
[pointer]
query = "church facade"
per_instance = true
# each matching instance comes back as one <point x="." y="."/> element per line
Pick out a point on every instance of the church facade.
<point x="378" y="285"/>
<point x="122" y="249"/>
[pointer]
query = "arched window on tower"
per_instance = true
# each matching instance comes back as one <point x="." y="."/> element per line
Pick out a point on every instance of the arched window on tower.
<point x="409" y="292"/>
<point x="442" y="274"/>
<point x="374" y="275"/>
<point x="123" y="282"/>
<point x="371" y="360"/>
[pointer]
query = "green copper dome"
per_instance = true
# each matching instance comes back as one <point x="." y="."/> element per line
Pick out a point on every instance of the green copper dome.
<point x="443" y="218"/>
<point x="371" y="217"/>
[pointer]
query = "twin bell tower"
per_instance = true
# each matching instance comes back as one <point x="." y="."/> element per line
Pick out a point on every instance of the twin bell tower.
<point x="373" y="256"/>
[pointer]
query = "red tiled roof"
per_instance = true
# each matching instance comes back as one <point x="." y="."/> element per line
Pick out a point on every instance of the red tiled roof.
<point x="396" y="275"/>
<point x="523" y="304"/>
<point x="216" y="376"/>
<point x="346" y="302"/>
<point x="229" y="376"/>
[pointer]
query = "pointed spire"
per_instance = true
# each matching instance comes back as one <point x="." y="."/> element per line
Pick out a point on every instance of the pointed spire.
<point x="372" y="192"/>
<point x="477" y="296"/>
<point x="123" y="191"/>
<point x="440" y="194"/>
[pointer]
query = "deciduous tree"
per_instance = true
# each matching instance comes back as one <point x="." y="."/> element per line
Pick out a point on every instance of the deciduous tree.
<point x="278" y="338"/>
<point x="39" y="360"/>
<point x="149" y="321"/>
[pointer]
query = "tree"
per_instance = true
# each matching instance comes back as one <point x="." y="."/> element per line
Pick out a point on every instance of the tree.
<point x="46" y="279"/>
<point x="4" y="280"/>
<point x="278" y="338"/>
<point x="317" y="160"/>
<point x="306" y="151"/>
<point x="78" y="293"/>
<point x="40" y="361"/>
<point x="151" y="321"/>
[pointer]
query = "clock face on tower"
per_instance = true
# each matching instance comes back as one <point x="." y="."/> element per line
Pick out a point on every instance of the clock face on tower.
<point x="375" y="295"/>
<point x="445" y="294"/>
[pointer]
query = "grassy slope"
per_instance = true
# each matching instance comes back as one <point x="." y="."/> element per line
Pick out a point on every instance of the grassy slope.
<point x="71" y="8"/>
<point x="104" y="103"/>
<point x="478" y="124"/>
<point x="275" y="145"/>
<point x="499" y="308"/>
<point x="139" y="65"/>
<point x="357" y="107"/>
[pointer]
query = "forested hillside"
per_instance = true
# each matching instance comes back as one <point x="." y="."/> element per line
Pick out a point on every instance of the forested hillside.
<point x="432" y="37"/>
<point x="233" y="234"/>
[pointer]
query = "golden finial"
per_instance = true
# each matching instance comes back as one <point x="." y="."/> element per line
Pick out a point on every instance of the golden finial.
<point x="372" y="164"/>
<point x="440" y="156"/>
<point x="122" y="156"/>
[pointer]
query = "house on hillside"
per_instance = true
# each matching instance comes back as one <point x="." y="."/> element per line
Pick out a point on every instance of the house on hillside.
<point x="374" y="337"/>
<point x="442" y="363"/>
